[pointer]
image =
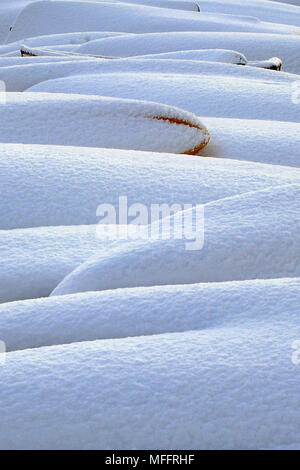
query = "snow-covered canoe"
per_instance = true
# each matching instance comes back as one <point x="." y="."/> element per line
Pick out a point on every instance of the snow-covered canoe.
<point x="93" y="121"/>
<point x="172" y="391"/>
<point x="146" y="311"/>
<point x="46" y="17"/>
<point x="46" y="185"/>
<point x="250" y="236"/>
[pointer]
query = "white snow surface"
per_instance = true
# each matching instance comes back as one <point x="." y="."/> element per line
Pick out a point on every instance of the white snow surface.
<point x="214" y="55"/>
<point x="224" y="96"/>
<point x="147" y="311"/>
<point x="71" y="182"/>
<point x="34" y="260"/>
<point x="57" y="40"/>
<point x="265" y="10"/>
<point x="190" y="390"/>
<point x="253" y="46"/>
<point x="44" y="17"/>
<point x="20" y="78"/>
<point x="272" y="142"/>
<point x="251" y="236"/>
<point x="292" y="2"/>
<point x="182" y="334"/>
<point x="188" y="5"/>
<point x="41" y="118"/>
<point x="9" y="10"/>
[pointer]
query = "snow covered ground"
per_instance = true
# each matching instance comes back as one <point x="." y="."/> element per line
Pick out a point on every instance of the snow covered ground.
<point x="149" y="224"/>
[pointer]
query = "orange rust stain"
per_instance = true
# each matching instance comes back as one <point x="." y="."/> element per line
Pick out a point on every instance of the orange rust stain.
<point x="177" y="121"/>
<point x="196" y="149"/>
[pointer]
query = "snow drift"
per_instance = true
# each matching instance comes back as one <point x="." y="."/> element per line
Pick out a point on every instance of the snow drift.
<point x="21" y="77"/>
<point x="272" y="142"/>
<point x="262" y="9"/>
<point x="48" y="185"/>
<point x="34" y="260"/>
<point x="100" y="122"/>
<point x="70" y="41"/>
<point x="214" y="55"/>
<point x="208" y="95"/>
<point x="172" y="391"/>
<point x="250" y="236"/>
<point x="147" y="311"/>
<point x="188" y="5"/>
<point x="46" y="17"/>
<point x="253" y="46"/>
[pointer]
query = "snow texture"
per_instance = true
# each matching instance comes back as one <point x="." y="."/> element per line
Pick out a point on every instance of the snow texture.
<point x="34" y="260"/>
<point x="252" y="236"/>
<point x="214" y="55"/>
<point x="37" y="118"/>
<point x="183" y="333"/>
<point x="70" y="183"/>
<point x="265" y="10"/>
<point x="191" y="390"/>
<point x="273" y="142"/>
<point x="20" y="78"/>
<point x="147" y="311"/>
<point x="253" y="46"/>
<point x="66" y="40"/>
<point x="188" y="5"/>
<point x="44" y="17"/>
<point x="216" y="96"/>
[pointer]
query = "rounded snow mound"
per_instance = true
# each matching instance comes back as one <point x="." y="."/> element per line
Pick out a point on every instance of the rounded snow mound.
<point x="231" y="239"/>
<point x="95" y="121"/>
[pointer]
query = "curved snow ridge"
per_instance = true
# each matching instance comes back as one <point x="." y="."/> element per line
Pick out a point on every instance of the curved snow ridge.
<point x="210" y="55"/>
<point x="253" y="46"/>
<point x="34" y="260"/>
<point x="95" y="121"/>
<point x="46" y="17"/>
<point x="23" y="76"/>
<point x="251" y="236"/>
<point x="17" y="60"/>
<point x="63" y="39"/>
<point x="194" y="123"/>
<point x="148" y="311"/>
<point x="262" y="9"/>
<point x="71" y="182"/>
<point x="171" y="391"/>
<point x="188" y="5"/>
<point x="213" y="55"/>
<point x="9" y="10"/>
<point x="273" y="142"/>
<point x="208" y="95"/>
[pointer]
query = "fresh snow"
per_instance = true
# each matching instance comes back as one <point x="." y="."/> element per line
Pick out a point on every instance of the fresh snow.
<point x="149" y="224"/>
<point x="34" y="260"/>
<point x="208" y="95"/>
<point x="250" y="236"/>
<point x="9" y="10"/>
<point x="273" y="142"/>
<point x="54" y="40"/>
<point x="46" y="17"/>
<point x="220" y="388"/>
<point x="265" y="10"/>
<point x="253" y="46"/>
<point x="188" y="5"/>
<point x="71" y="182"/>
<point x="214" y="55"/>
<point x="94" y="121"/>
<point x="22" y="77"/>
<point x="148" y="311"/>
